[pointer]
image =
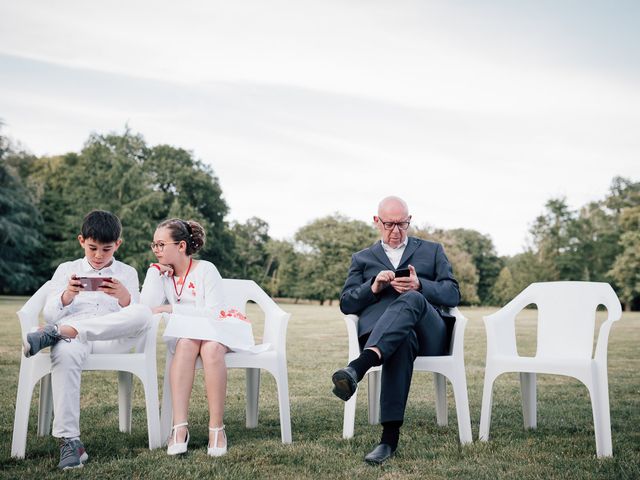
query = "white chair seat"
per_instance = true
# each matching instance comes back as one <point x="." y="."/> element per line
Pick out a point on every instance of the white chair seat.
<point x="38" y="369"/>
<point x="274" y="360"/>
<point x="443" y="367"/>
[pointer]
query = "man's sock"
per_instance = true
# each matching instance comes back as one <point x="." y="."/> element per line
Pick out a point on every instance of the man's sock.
<point x="391" y="433"/>
<point x="367" y="359"/>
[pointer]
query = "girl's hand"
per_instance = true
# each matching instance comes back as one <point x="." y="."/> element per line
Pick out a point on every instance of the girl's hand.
<point x="162" y="309"/>
<point x="163" y="269"/>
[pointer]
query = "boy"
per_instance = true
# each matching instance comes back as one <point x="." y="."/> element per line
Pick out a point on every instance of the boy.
<point x="107" y="320"/>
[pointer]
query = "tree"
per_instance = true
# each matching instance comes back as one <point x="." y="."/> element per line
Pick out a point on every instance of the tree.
<point x="328" y="244"/>
<point x="626" y="268"/>
<point x="250" y="247"/>
<point x="20" y="223"/>
<point x="142" y="185"/>
<point x="483" y="255"/>
<point x="464" y="269"/>
<point x="519" y="271"/>
<point x="283" y="267"/>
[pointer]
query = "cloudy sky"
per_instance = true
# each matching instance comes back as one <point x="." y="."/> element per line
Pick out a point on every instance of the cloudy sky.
<point x="475" y="112"/>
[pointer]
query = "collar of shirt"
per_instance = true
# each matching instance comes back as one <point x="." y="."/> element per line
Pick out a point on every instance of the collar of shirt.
<point x="110" y="269"/>
<point x="390" y="249"/>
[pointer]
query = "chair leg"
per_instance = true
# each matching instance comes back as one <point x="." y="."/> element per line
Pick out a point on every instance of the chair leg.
<point x="253" y="388"/>
<point x="166" y="412"/>
<point x="440" y="384"/>
<point x="282" y="383"/>
<point x="459" y="384"/>
<point x="485" y="412"/>
<point x="125" y="390"/>
<point x="374" y="388"/>
<point x="150" y="385"/>
<point x="349" y="420"/>
<point x="45" y="410"/>
<point x="599" y="393"/>
<point x="21" y="419"/>
<point x="529" y="408"/>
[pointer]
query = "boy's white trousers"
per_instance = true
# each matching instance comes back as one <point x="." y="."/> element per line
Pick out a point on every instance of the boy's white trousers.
<point x="116" y="332"/>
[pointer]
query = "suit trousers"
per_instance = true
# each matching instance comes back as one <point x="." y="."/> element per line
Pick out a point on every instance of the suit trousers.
<point x="117" y="332"/>
<point x="410" y="326"/>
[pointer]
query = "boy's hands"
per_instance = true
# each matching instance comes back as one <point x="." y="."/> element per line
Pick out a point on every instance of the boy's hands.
<point x="74" y="287"/>
<point x="162" y="309"/>
<point x="116" y="289"/>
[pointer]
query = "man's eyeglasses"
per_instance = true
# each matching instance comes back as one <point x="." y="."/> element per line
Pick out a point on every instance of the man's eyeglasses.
<point x="392" y="225"/>
<point x="160" y="245"/>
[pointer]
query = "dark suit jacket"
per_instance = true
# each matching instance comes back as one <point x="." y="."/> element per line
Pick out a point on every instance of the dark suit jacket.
<point x="432" y="267"/>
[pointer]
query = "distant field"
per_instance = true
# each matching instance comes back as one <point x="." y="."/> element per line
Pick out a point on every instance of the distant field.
<point x="563" y="446"/>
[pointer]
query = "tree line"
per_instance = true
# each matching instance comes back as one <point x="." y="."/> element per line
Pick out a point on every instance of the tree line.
<point x="43" y="200"/>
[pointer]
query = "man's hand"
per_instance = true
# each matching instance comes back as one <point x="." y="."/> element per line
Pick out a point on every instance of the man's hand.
<point x="116" y="289"/>
<point x="404" y="284"/>
<point x="74" y="287"/>
<point x="383" y="279"/>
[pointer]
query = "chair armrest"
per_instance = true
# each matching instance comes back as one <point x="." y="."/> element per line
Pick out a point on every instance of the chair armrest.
<point x="614" y="310"/>
<point x="500" y="326"/>
<point x="275" y="329"/>
<point x="152" y="333"/>
<point x="351" y="322"/>
<point x="457" y="348"/>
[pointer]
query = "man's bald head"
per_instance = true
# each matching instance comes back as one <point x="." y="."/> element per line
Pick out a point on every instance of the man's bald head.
<point x="392" y="210"/>
<point x="393" y="205"/>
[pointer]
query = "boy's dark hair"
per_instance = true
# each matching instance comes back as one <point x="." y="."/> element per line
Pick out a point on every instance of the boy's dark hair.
<point x="101" y="226"/>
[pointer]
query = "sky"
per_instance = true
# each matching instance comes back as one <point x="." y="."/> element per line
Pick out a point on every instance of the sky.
<point x="476" y="113"/>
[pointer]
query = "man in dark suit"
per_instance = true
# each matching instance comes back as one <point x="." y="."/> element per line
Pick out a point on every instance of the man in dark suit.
<point x="401" y="317"/>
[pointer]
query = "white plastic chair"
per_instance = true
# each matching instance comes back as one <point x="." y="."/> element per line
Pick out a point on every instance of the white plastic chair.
<point x="443" y="367"/>
<point x="566" y="325"/>
<point x="237" y="293"/>
<point x="38" y="368"/>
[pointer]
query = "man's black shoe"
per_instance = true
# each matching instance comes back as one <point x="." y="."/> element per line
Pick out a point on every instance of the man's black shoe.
<point x="345" y="383"/>
<point x="379" y="455"/>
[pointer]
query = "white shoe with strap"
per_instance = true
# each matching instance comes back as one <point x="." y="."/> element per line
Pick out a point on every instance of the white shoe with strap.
<point x="217" y="451"/>
<point x="178" y="448"/>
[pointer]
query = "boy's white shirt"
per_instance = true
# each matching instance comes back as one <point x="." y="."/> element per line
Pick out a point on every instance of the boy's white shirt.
<point x="88" y="304"/>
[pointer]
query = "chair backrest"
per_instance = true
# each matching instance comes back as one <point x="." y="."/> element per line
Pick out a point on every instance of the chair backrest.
<point x="238" y="292"/>
<point x="29" y="312"/>
<point x="567" y="314"/>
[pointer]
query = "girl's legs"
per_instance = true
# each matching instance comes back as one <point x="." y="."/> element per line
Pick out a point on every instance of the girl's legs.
<point x="215" y="379"/>
<point x="182" y="372"/>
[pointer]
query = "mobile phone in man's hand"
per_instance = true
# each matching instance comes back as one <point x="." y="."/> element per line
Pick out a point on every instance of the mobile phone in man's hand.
<point x="403" y="272"/>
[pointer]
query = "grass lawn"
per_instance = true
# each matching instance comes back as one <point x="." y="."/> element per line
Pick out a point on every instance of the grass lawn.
<point x="563" y="446"/>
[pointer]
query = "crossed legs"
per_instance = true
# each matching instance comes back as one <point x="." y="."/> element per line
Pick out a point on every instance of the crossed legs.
<point x="182" y="373"/>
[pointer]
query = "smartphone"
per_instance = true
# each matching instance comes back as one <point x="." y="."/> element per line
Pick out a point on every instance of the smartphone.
<point x="91" y="284"/>
<point x="403" y="272"/>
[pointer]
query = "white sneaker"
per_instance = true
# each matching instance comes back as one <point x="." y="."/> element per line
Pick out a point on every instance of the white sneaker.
<point x="217" y="451"/>
<point x="178" y="448"/>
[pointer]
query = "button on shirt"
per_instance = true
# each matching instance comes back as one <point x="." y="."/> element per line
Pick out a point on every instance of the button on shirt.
<point x="394" y="254"/>
<point x="88" y="304"/>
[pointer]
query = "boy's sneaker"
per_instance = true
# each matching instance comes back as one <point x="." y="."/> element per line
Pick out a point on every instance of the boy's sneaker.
<point x="72" y="454"/>
<point x="44" y="338"/>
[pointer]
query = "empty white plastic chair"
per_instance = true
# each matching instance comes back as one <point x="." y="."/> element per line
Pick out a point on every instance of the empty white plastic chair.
<point x="566" y="325"/>
<point x="142" y="363"/>
<point x="443" y="367"/>
<point x="274" y="360"/>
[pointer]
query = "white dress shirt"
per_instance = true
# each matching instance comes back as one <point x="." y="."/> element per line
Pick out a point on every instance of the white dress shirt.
<point x="394" y="254"/>
<point x="88" y="304"/>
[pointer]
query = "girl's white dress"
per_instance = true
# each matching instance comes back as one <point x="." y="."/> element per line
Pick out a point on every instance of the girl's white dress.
<point x="199" y="311"/>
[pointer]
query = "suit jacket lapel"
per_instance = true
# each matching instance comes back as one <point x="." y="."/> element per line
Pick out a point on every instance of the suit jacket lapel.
<point x="412" y="245"/>
<point x="378" y="252"/>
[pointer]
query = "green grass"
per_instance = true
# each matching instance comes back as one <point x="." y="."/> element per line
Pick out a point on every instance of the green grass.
<point x="562" y="446"/>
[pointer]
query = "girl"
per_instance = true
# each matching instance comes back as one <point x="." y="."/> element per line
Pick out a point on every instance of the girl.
<point x="191" y="291"/>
